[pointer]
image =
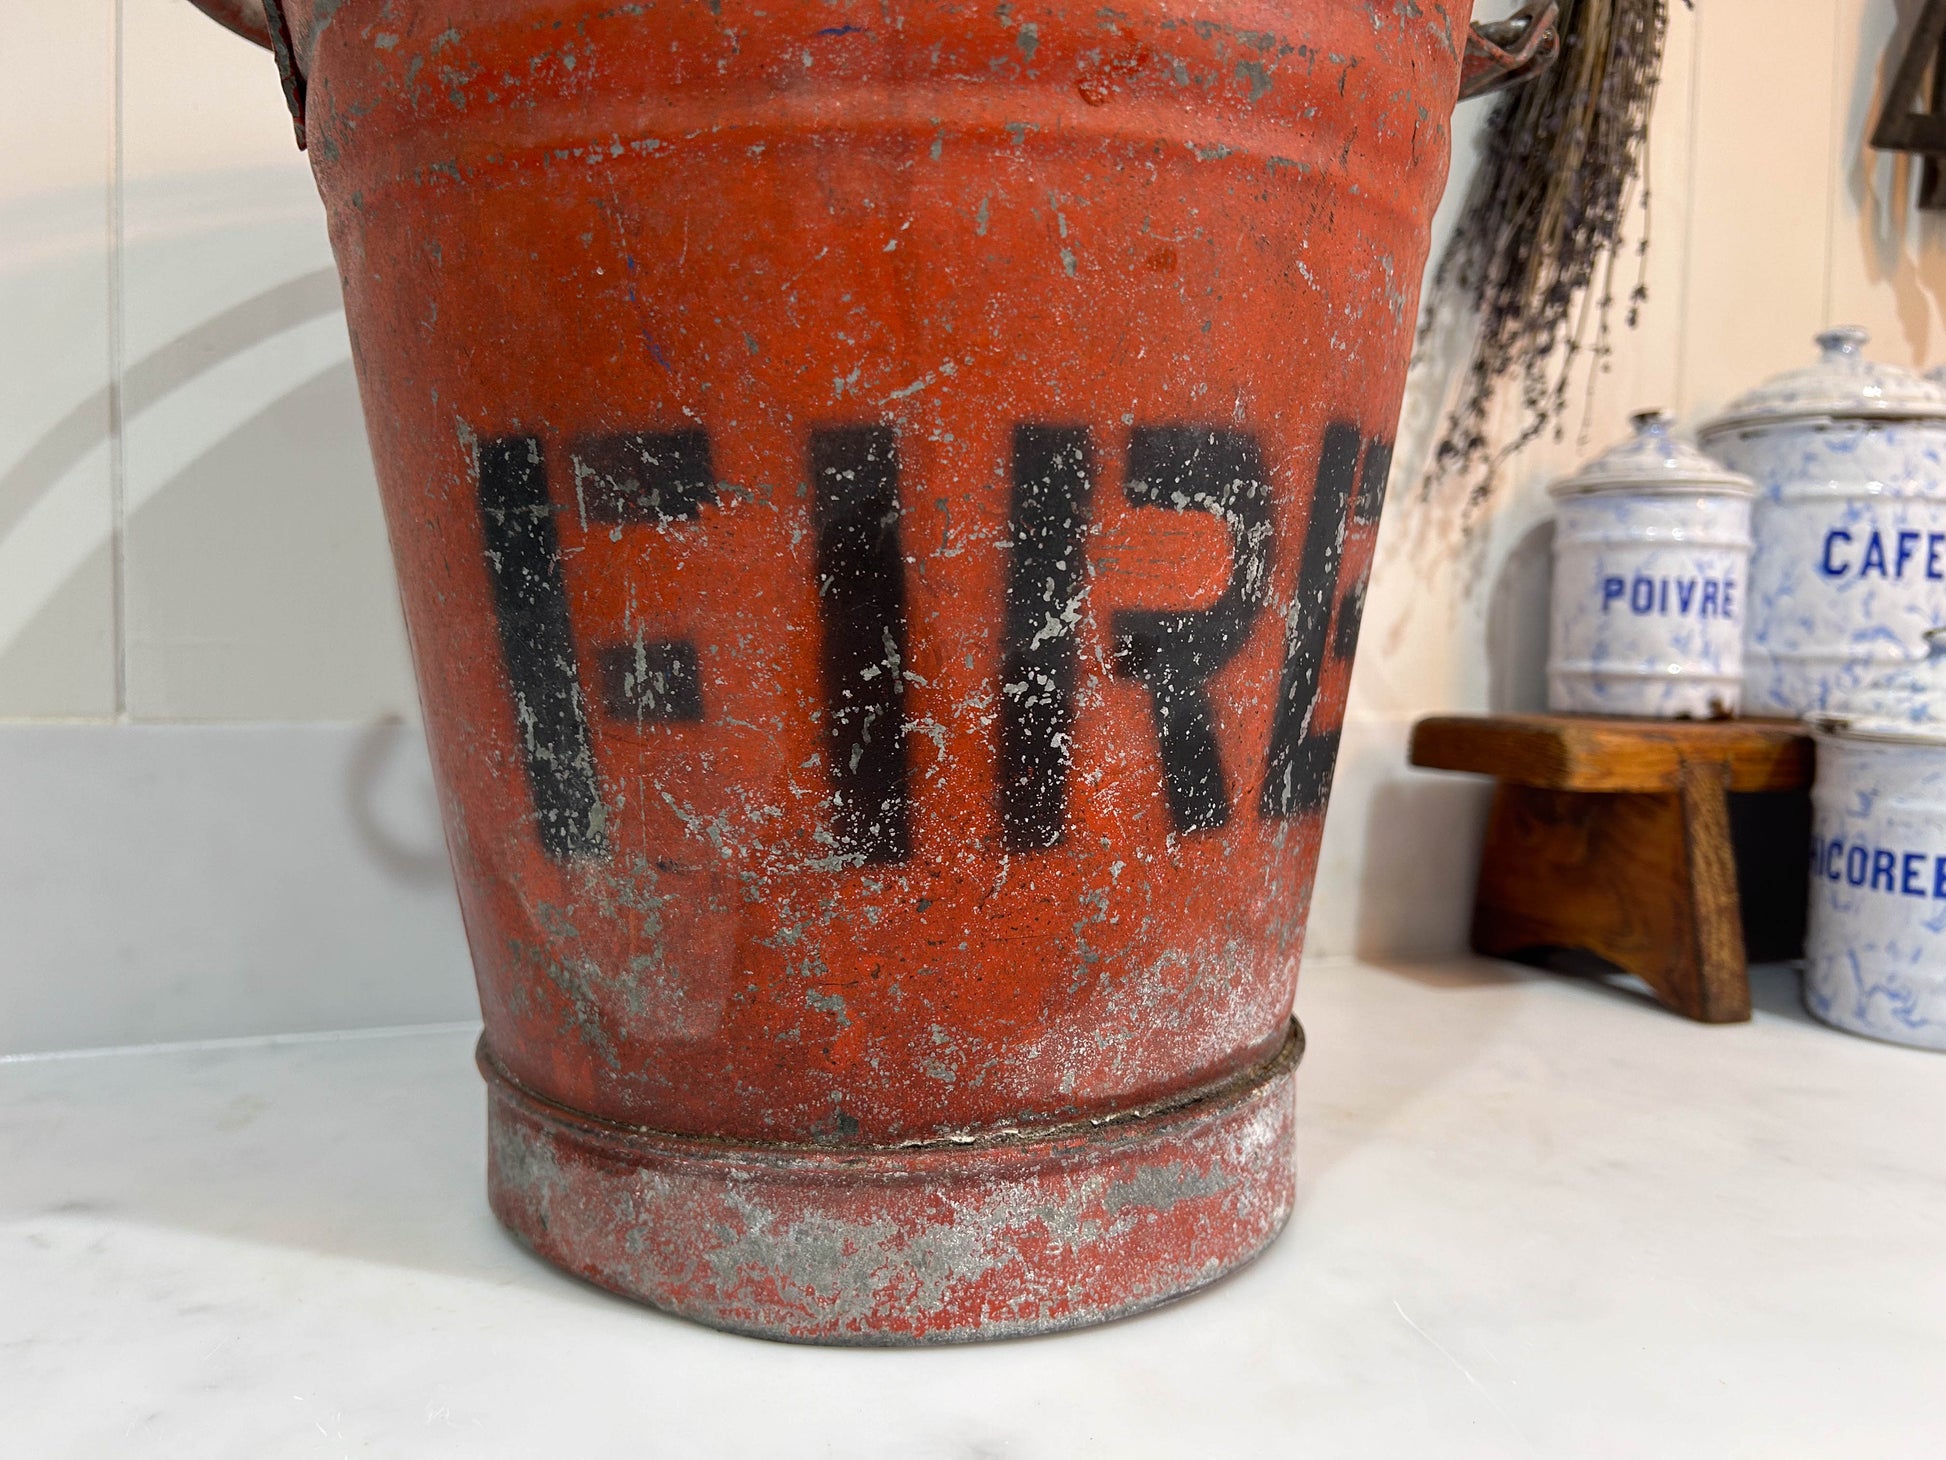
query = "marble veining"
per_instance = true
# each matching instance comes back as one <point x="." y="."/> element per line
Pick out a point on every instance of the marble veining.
<point x="1536" y="1217"/>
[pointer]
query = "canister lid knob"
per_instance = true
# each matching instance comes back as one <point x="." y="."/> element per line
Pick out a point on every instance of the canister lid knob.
<point x="1845" y="341"/>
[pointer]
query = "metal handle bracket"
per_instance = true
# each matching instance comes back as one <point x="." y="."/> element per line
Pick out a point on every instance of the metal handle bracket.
<point x="1501" y="53"/>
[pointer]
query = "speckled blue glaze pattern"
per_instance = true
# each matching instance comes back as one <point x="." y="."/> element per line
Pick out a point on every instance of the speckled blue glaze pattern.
<point x="1849" y="569"/>
<point x="1651" y="555"/>
<point x="1875" y="952"/>
<point x="1909" y="696"/>
<point x="1648" y="604"/>
<point x="1849" y="457"/>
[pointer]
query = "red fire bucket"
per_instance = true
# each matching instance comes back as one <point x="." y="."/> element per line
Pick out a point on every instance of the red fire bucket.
<point x="882" y="495"/>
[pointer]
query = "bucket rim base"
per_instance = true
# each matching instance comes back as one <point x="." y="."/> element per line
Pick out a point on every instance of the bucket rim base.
<point x="1059" y="1228"/>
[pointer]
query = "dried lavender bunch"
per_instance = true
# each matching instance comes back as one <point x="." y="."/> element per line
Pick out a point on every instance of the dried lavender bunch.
<point x="1534" y="255"/>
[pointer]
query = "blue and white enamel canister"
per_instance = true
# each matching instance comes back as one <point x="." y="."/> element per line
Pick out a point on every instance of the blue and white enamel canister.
<point x="1651" y="555"/>
<point x="1875" y="948"/>
<point x="1849" y="572"/>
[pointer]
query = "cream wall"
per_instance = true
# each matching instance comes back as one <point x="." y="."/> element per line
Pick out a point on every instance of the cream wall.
<point x="1772" y="219"/>
<point x="189" y="530"/>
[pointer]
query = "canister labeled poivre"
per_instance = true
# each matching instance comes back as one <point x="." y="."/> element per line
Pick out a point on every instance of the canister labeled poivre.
<point x="1875" y="946"/>
<point x="1651" y="553"/>
<point x="1849" y="568"/>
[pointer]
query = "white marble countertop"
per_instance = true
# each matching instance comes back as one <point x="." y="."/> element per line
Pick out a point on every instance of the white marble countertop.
<point x="1536" y="1217"/>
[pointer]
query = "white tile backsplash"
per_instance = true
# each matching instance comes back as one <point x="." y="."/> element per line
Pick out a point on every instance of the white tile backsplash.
<point x="195" y="881"/>
<point x="1401" y="850"/>
<point x="1762" y="223"/>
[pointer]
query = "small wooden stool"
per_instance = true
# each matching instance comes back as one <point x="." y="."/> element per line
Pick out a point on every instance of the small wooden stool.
<point x="1614" y="837"/>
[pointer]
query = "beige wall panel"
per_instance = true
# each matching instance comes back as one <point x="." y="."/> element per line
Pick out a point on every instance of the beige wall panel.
<point x="1761" y="204"/>
<point x="57" y="601"/>
<point x="1457" y="618"/>
<point x="1888" y="258"/>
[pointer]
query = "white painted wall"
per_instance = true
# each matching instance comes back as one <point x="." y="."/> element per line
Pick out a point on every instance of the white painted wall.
<point x="190" y="534"/>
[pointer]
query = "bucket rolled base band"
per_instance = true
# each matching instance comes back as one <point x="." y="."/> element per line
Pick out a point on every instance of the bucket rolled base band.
<point x="1033" y="1232"/>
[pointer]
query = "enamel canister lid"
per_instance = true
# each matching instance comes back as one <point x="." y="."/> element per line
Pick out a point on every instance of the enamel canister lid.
<point x="1653" y="460"/>
<point x="1842" y="386"/>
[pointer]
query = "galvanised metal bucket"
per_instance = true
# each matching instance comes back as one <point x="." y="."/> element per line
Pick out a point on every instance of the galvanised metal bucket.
<point x="1875" y="949"/>
<point x="882" y="495"/>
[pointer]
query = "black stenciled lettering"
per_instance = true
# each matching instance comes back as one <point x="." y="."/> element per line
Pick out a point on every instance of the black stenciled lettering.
<point x="1371" y="482"/>
<point x="861" y="592"/>
<point x="1297" y="772"/>
<point x="1175" y="654"/>
<point x="1048" y="524"/>
<point x="1351" y="620"/>
<point x="643" y="476"/>
<point x="651" y="680"/>
<point x="647" y="477"/>
<point x="530" y="601"/>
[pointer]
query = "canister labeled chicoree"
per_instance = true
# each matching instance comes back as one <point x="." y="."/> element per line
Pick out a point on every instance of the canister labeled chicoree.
<point x="1849" y="568"/>
<point x="1875" y="948"/>
<point x="1651" y="552"/>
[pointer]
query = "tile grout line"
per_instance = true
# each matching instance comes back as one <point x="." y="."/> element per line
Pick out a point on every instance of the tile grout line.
<point x="243" y="1041"/>
<point x="117" y="357"/>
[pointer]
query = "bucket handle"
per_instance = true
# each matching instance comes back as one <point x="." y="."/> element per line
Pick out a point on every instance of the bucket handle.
<point x="263" y="21"/>
<point x="1499" y="53"/>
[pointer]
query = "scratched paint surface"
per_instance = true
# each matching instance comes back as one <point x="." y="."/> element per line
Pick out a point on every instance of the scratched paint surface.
<point x="882" y="495"/>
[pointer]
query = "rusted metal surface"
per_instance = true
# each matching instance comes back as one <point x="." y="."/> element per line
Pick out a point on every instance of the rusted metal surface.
<point x="882" y="495"/>
<point x="1020" y="1233"/>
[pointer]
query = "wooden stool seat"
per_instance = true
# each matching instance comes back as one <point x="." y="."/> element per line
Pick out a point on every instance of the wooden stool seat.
<point x="1614" y="837"/>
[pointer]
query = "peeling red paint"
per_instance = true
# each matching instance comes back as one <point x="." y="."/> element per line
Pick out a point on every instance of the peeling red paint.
<point x="881" y="495"/>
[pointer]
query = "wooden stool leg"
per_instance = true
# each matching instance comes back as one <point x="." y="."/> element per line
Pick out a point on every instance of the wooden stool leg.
<point x="1646" y="880"/>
